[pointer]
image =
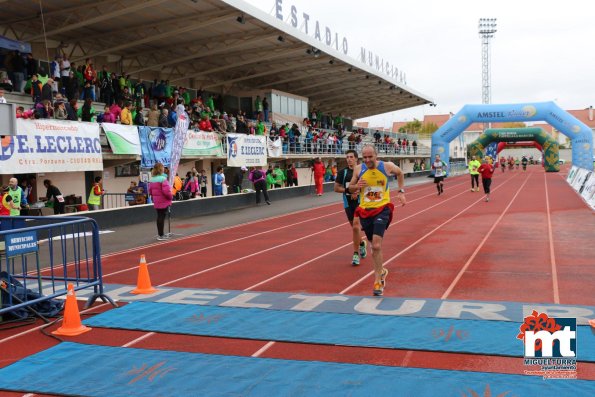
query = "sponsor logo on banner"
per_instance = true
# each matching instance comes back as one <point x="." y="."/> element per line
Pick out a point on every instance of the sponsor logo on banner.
<point x="156" y="146"/>
<point x="51" y="146"/>
<point x="588" y="192"/>
<point x="202" y="143"/>
<point x="21" y="243"/>
<point x="246" y="150"/>
<point x="123" y="139"/>
<point x="180" y="131"/>
<point x="550" y="346"/>
<point x="275" y="147"/>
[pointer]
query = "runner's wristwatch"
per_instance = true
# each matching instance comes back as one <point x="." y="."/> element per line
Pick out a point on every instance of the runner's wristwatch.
<point x="401" y="190"/>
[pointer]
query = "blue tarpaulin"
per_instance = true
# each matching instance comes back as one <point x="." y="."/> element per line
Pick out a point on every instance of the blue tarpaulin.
<point x="11" y="44"/>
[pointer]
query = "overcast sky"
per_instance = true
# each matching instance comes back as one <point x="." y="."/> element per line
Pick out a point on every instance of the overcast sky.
<point x="543" y="50"/>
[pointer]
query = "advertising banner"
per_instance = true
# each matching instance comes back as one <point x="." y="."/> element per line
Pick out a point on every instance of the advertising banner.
<point x="180" y="131"/>
<point x="588" y="192"/>
<point x="51" y="146"/>
<point x="123" y="139"/>
<point x="275" y="148"/>
<point x="246" y="150"/>
<point x="579" y="179"/>
<point x="156" y="145"/>
<point x="202" y="143"/>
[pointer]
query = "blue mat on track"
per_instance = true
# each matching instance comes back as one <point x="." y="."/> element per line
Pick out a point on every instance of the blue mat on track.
<point x="88" y="370"/>
<point x="431" y="334"/>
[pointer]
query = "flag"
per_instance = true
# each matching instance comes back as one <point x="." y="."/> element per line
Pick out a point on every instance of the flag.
<point x="180" y="131"/>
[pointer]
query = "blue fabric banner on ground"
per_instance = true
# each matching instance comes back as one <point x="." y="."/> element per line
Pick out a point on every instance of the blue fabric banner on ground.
<point x="156" y="145"/>
<point x="74" y="369"/>
<point x="431" y="334"/>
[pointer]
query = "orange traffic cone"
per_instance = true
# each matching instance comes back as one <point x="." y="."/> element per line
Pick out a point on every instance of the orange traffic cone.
<point x="143" y="285"/>
<point x="71" y="324"/>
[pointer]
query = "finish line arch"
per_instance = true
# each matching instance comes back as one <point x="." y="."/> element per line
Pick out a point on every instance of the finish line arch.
<point x="505" y="136"/>
<point x="579" y="133"/>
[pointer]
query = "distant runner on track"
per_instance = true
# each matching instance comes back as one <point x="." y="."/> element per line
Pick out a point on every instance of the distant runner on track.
<point x="375" y="210"/>
<point x="350" y="203"/>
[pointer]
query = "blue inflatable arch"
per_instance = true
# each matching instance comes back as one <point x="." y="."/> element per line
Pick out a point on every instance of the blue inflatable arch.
<point x="580" y="134"/>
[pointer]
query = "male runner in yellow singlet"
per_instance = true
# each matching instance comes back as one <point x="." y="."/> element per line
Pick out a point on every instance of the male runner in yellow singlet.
<point x="375" y="210"/>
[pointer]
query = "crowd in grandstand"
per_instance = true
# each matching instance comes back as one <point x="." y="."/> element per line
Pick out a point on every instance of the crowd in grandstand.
<point x="56" y="94"/>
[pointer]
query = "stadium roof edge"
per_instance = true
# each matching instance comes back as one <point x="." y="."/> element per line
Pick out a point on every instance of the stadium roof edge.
<point x="255" y="12"/>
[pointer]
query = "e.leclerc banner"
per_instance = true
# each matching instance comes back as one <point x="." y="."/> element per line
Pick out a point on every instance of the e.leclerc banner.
<point x="51" y="146"/>
<point x="246" y="150"/>
<point x="123" y="139"/>
<point x="156" y="145"/>
<point x="202" y="143"/>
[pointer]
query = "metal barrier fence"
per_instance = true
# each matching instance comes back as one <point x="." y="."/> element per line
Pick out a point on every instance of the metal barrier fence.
<point x="119" y="200"/>
<point x="42" y="259"/>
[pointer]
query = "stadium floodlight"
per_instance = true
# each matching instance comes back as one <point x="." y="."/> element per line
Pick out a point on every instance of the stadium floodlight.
<point x="487" y="29"/>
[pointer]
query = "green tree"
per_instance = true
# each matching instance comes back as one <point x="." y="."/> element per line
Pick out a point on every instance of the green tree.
<point x="426" y="130"/>
<point x="514" y="124"/>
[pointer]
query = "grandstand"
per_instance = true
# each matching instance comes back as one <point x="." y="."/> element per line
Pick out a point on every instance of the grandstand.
<point x="226" y="50"/>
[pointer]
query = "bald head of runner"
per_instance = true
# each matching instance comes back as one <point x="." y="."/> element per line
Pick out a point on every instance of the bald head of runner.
<point x="369" y="156"/>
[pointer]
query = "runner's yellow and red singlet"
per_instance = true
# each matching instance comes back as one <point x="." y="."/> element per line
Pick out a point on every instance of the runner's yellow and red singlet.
<point x="376" y="195"/>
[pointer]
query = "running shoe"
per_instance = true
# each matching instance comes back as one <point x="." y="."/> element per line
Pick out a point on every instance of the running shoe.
<point x="477" y="189"/>
<point x="355" y="261"/>
<point x="378" y="289"/>
<point x="472" y="189"/>
<point x="363" y="249"/>
<point x="487" y="199"/>
<point x="162" y="238"/>
<point x="383" y="277"/>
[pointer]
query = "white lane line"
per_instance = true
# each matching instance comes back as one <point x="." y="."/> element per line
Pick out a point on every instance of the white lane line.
<point x="551" y="241"/>
<point x="419" y="240"/>
<point x="481" y="244"/>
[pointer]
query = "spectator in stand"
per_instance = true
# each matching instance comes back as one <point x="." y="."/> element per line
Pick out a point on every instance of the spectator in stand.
<point x="126" y="115"/>
<point x="260" y="128"/>
<point x="139" y="118"/>
<point x="2" y="99"/>
<point x="108" y="116"/>
<point x="274" y="130"/>
<point x="153" y="119"/>
<point x="257" y="177"/>
<point x="31" y="66"/>
<point x="205" y="124"/>
<point x="115" y="83"/>
<point x="46" y="90"/>
<point x="279" y="177"/>
<point x="54" y="197"/>
<point x="105" y="85"/>
<point x="65" y="73"/>
<point x="308" y="140"/>
<point x="414" y="146"/>
<point x="55" y="72"/>
<point x="5" y="82"/>
<point x="44" y="110"/>
<point x="241" y="127"/>
<point x="71" y="109"/>
<point x="72" y="88"/>
<point x="60" y="110"/>
<point x="163" y="122"/>
<point x="265" y="108"/>
<point x="88" y="91"/>
<point x="125" y="95"/>
<point x="18" y="66"/>
<point x="116" y="110"/>
<point x="86" y="112"/>
<point x="90" y="77"/>
<point x="160" y="191"/>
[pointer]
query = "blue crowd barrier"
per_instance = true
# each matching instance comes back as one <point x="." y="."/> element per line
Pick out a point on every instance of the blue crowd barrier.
<point x="42" y="255"/>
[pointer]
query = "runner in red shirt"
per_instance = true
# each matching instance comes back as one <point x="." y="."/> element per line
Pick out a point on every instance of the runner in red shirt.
<point x="486" y="170"/>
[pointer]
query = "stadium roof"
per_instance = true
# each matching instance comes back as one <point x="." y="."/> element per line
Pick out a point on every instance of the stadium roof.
<point x="225" y="46"/>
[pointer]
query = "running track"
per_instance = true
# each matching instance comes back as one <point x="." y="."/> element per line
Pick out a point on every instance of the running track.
<point x="531" y="243"/>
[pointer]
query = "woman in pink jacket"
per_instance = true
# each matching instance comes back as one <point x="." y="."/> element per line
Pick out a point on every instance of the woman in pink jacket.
<point x="160" y="191"/>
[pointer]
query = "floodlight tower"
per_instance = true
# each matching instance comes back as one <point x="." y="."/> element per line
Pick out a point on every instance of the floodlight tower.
<point x="487" y="28"/>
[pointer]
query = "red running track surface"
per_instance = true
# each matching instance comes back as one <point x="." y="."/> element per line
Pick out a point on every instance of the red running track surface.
<point x="531" y="243"/>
